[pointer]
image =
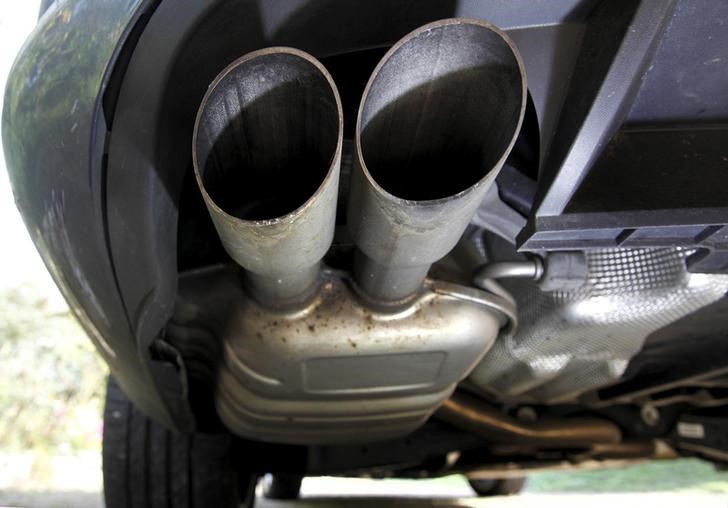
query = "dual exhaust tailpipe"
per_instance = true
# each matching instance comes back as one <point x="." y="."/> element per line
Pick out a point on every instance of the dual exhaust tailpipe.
<point x="438" y="118"/>
<point x="266" y="152"/>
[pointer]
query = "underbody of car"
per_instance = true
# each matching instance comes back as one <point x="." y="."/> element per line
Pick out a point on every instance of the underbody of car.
<point x="391" y="238"/>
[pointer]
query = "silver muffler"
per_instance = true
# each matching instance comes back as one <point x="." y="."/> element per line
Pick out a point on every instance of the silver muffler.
<point x="439" y="116"/>
<point x="266" y="154"/>
<point x="307" y="359"/>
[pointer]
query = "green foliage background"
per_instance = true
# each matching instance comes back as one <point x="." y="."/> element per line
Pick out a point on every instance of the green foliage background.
<point x="52" y="382"/>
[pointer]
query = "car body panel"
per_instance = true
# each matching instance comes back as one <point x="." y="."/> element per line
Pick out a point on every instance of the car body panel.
<point x="53" y="136"/>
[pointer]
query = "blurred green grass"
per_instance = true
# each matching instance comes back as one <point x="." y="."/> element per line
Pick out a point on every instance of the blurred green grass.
<point x="52" y="382"/>
<point x="680" y="475"/>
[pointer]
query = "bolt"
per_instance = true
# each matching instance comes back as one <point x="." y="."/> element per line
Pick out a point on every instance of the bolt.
<point x="526" y="414"/>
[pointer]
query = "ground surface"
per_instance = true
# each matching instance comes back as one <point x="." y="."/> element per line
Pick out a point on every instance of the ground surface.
<point x="662" y="500"/>
<point x="74" y="482"/>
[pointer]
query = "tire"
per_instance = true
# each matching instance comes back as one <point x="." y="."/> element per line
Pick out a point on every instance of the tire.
<point x="147" y="466"/>
<point x="502" y="487"/>
<point x="282" y="487"/>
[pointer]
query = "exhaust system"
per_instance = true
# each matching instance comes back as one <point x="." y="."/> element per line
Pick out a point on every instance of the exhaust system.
<point x="438" y="118"/>
<point x="266" y="154"/>
<point x="312" y="355"/>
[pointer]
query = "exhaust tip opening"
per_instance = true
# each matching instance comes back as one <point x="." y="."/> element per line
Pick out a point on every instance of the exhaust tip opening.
<point x="442" y="110"/>
<point x="267" y="134"/>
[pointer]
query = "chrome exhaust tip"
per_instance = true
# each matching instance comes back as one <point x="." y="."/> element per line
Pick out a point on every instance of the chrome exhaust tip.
<point x="439" y="116"/>
<point x="266" y="152"/>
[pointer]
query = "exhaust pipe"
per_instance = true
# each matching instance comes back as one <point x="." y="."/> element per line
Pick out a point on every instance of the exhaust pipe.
<point x="439" y="116"/>
<point x="476" y="416"/>
<point x="311" y="361"/>
<point x="266" y="152"/>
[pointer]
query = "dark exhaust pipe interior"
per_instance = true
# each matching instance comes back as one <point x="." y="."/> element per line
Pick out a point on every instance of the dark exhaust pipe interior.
<point x="441" y="111"/>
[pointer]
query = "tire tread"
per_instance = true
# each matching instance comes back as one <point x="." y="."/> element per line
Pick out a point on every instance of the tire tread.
<point x="148" y="466"/>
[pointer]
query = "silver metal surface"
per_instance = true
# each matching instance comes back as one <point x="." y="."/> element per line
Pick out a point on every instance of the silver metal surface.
<point x="571" y="342"/>
<point x="475" y="415"/>
<point x="555" y="271"/>
<point x="528" y="269"/>
<point x="437" y="120"/>
<point x="267" y="152"/>
<point x="336" y="371"/>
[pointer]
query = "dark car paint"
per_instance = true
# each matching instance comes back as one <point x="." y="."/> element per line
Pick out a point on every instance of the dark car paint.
<point x="53" y="138"/>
